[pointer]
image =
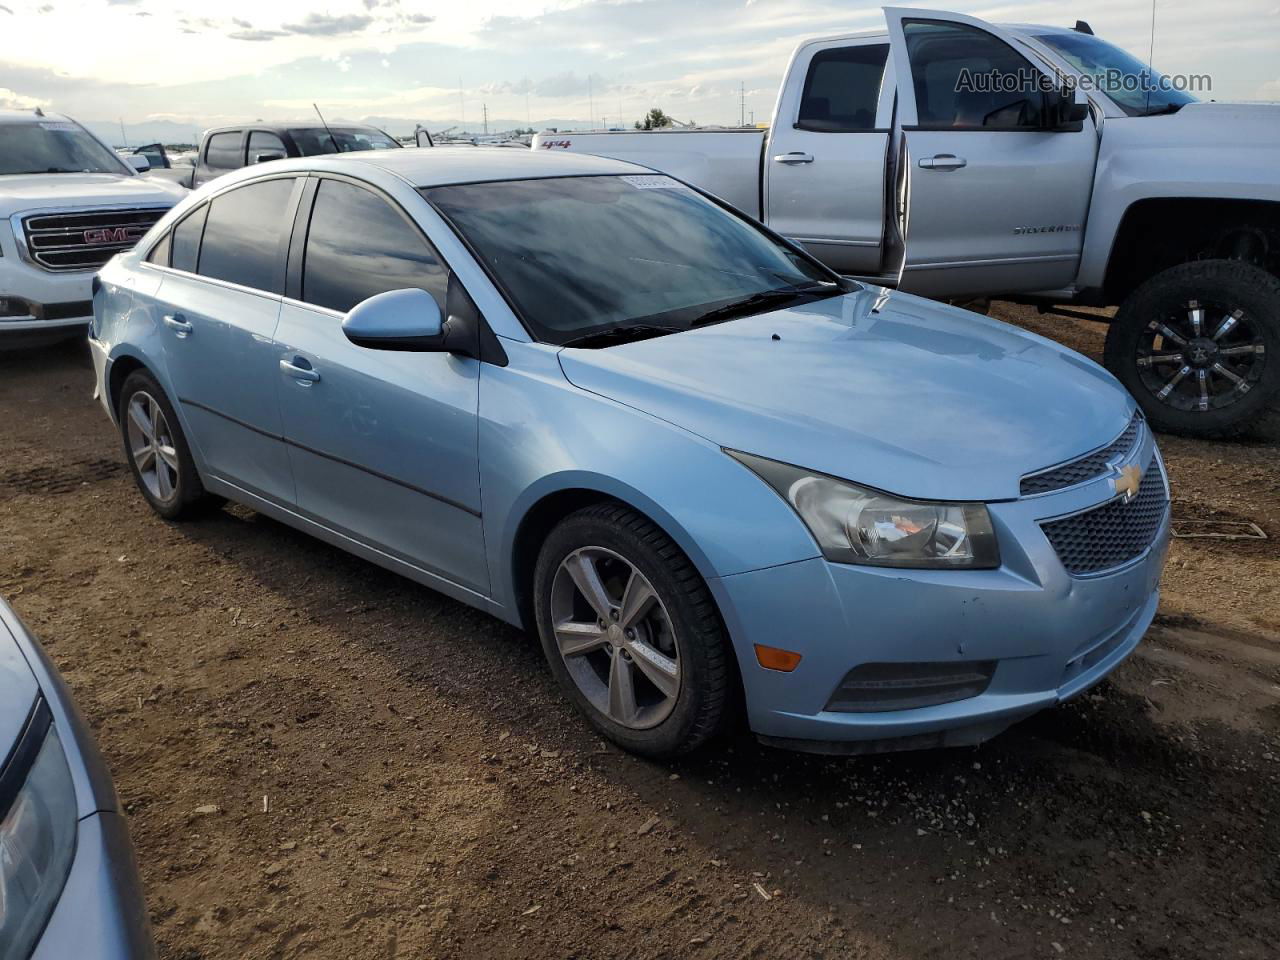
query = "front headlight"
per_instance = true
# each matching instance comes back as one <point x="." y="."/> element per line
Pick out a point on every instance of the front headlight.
<point x="37" y="843"/>
<point x="855" y="524"/>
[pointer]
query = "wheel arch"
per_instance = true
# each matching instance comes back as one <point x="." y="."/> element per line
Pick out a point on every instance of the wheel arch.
<point x="1156" y="233"/>
<point x="121" y="367"/>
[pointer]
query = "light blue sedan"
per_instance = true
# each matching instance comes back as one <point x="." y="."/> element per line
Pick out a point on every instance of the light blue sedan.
<point x="584" y="397"/>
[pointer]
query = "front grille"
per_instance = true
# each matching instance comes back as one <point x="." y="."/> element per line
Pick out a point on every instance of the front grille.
<point x="1113" y="534"/>
<point x="1088" y="467"/>
<point x="84" y="240"/>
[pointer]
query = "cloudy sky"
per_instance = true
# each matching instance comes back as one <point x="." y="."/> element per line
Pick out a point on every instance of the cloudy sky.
<point x="557" y="61"/>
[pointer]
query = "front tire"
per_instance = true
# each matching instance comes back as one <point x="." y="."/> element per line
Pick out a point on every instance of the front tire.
<point x="1198" y="346"/>
<point x="157" y="450"/>
<point x="631" y="632"/>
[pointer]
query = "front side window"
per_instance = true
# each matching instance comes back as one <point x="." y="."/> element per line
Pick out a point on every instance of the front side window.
<point x="1136" y="88"/>
<point x="245" y="232"/>
<point x="842" y="89"/>
<point x="967" y="79"/>
<point x="223" y="152"/>
<point x="313" y="141"/>
<point x="577" y="255"/>
<point x="54" y="146"/>
<point x="358" y="245"/>
<point x="186" y="240"/>
<point x="263" y="143"/>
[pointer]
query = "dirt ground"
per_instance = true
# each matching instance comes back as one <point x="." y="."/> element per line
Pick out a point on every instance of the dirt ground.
<point x="321" y="759"/>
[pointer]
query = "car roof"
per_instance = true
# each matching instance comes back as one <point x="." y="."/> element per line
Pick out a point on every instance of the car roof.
<point x="282" y="127"/>
<point x="30" y="116"/>
<point x="876" y="33"/>
<point x="438" y="166"/>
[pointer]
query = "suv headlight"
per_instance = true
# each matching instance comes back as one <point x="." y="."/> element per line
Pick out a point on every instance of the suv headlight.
<point x="854" y="524"/>
<point x="37" y="844"/>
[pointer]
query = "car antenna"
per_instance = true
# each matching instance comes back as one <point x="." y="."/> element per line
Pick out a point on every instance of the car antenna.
<point x="1082" y="26"/>
<point x="39" y="112"/>
<point x="326" y="129"/>
<point x="1151" y="52"/>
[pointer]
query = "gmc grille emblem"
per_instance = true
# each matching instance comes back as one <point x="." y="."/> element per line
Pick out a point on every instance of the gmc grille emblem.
<point x="113" y="235"/>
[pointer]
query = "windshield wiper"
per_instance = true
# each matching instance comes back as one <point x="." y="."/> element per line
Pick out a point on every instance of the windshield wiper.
<point x="1167" y="108"/>
<point x="765" y="299"/>
<point x="623" y="333"/>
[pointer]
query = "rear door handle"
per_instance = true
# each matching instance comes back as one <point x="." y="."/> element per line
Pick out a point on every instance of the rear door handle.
<point x="300" y="370"/>
<point x="179" y="326"/>
<point x="943" y="161"/>
<point x="793" y="157"/>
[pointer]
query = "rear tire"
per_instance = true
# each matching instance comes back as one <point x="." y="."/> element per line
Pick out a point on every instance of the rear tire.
<point x="157" y="451"/>
<point x="673" y="663"/>
<point x="1167" y="345"/>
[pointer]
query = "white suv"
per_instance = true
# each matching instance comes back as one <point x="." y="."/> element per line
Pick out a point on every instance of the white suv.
<point x="68" y="204"/>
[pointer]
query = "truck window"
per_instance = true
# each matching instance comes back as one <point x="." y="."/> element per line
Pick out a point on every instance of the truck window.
<point x="358" y="245"/>
<point x="223" y="152"/>
<point x="966" y="79"/>
<point x="842" y="89"/>
<point x="243" y="235"/>
<point x="263" y="142"/>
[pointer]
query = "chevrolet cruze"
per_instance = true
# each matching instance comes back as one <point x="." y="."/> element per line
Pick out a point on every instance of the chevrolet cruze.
<point x="599" y="404"/>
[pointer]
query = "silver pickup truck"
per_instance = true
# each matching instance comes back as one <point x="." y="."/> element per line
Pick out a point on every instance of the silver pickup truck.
<point x="957" y="159"/>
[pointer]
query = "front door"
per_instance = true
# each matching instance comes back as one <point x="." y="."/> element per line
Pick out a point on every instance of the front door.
<point x="219" y="304"/>
<point x="995" y="201"/>
<point x="383" y="443"/>
<point x="826" y="156"/>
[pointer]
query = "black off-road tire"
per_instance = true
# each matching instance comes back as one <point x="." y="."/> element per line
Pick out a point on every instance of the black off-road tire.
<point x="189" y="498"/>
<point x="1233" y="283"/>
<point x="704" y="705"/>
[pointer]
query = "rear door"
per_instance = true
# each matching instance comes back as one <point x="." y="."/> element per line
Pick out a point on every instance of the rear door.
<point x="995" y="202"/>
<point x="221" y="153"/>
<point x="219" y="305"/>
<point x="824" y="165"/>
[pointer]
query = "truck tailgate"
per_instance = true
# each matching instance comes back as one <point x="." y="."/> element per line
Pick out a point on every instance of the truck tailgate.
<point x="725" y="163"/>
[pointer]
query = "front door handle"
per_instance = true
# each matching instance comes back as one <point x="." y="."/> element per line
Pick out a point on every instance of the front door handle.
<point x="943" y="161"/>
<point x="179" y="326"/>
<point x="794" y="157"/>
<point x="300" y="370"/>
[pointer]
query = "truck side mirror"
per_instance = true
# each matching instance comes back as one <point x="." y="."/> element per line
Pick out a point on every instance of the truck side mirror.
<point x="138" y="162"/>
<point x="1066" y="110"/>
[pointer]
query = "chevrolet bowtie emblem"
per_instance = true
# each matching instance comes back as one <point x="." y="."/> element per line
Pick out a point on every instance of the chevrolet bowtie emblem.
<point x="1127" y="480"/>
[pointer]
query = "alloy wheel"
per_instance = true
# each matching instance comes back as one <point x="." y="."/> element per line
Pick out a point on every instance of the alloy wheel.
<point x="1203" y="356"/>
<point x="151" y="445"/>
<point x="615" y="637"/>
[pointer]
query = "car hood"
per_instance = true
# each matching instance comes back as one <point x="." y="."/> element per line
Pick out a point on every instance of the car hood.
<point x="885" y="389"/>
<point x="81" y="190"/>
<point x="18" y="691"/>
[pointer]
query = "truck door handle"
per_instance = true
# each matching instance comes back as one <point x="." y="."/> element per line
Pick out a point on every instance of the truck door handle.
<point x="179" y="326"/>
<point x="300" y="370"/>
<point x="794" y="157"/>
<point x="943" y="161"/>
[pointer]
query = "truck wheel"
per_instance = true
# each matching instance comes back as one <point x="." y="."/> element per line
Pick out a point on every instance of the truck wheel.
<point x="1198" y="346"/>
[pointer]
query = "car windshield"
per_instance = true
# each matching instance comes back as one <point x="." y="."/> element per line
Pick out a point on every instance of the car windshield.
<point x="1135" y="87"/>
<point x="54" y="146"/>
<point x="313" y="141"/>
<point x="579" y="255"/>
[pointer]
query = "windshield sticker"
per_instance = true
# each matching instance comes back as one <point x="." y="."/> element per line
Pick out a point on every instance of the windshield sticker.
<point x="61" y="127"/>
<point x="646" y="182"/>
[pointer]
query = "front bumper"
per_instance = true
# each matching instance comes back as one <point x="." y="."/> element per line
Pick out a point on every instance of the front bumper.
<point x="41" y="300"/>
<point x="1050" y="635"/>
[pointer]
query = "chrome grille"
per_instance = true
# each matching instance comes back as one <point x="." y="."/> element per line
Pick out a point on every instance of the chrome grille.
<point x="1113" y="534"/>
<point x="84" y="240"/>
<point x="1088" y="467"/>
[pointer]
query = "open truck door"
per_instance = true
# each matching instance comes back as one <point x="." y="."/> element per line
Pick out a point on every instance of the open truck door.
<point x="156" y="156"/>
<point x="995" y="159"/>
<point x="422" y="136"/>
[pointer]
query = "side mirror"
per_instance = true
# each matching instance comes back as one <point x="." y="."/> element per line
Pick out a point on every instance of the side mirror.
<point x="1067" y="109"/>
<point x="398" y="320"/>
<point x="138" y="162"/>
<point x="267" y="157"/>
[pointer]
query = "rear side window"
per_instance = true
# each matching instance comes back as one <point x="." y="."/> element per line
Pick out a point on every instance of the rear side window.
<point x="160" y="252"/>
<point x="263" y="143"/>
<point x="359" y="245"/>
<point x="186" y="240"/>
<point x="842" y="90"/>
<point x="966" y="79"/>
<point x="245" y="234"/>
<point x="223" y="152"/>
